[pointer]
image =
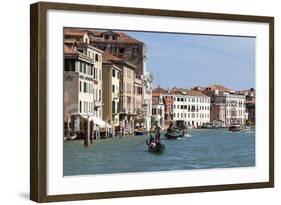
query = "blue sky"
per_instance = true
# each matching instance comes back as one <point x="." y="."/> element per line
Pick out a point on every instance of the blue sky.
<point x="186" y="60"/>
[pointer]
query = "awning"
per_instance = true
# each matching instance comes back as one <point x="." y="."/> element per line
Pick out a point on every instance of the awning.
<point x="96" y="120"/>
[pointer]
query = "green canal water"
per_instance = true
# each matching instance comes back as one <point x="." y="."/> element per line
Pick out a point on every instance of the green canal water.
<point x="203" y="149"/>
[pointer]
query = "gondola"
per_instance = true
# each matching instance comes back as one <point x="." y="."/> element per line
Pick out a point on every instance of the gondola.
<point x="155" y="146"/>
<point x="174" y="134"/>
<point x="139" y="132"/>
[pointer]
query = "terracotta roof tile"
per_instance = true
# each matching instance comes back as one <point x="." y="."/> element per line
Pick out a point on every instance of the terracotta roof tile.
<point x="123" y="37"/>
<point x="109" y="57"/>
<point x="74" y="32"/>
<point x="159" y="90"/>
<point x="69" y="50"/>
<point x="217" y="87"/>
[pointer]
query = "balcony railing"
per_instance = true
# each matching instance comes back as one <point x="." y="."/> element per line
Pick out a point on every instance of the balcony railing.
<point x="97" y="103"/>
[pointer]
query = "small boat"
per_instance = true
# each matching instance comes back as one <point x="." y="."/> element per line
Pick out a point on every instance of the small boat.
<point x="174" y="134"/>
<point x="156" y="147"/>
<point x="235" y="128"/>
<point x="139" y="132"/>
<point x="246" y="128"/>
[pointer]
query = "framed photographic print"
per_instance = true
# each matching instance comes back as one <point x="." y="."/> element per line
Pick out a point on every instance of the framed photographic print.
<point x="135" y="102"/>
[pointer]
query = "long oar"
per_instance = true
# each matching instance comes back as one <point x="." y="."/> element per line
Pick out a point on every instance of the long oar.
<point x="139" y="144"/>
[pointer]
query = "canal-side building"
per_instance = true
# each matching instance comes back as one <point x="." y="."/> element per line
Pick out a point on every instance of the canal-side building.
<point x="250" y="104"/>
<point x="72" y="35"/>
<point x="127" y="111"/>
<point x="121" y="45"/>
<point x="138" y="96"/>
<point x="96" y="73"/>
<point x="191" y="108"/>
<point x="134" y="52"/>
<point x="229" y="109"/>
<point x="214" y="90"/>
<point x="168" y="101"/>
<point x="111" y="90"/>
<point x="157" y="109"/>
<point x="78" y="86"/>
<point x="129" y="50"/>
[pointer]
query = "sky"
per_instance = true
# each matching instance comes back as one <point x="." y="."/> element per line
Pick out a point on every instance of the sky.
<point x="188" y="60"/>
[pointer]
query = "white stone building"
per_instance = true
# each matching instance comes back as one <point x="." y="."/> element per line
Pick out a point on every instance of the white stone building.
<point x="191" y="108"/>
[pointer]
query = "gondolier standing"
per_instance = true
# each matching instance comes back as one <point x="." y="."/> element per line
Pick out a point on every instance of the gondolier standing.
<point x="157" y="130"/>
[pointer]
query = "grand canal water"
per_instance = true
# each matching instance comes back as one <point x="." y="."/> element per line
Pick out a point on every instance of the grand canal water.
<point x="217" y="148"/>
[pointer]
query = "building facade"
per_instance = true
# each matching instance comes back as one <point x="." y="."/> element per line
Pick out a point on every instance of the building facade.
<point x="191" y="108"/>
<point x="78" y="86"/>
<point x="184" y="107"/>
<point x="157" y="109"/>
<point x="111" y="89"/>
<point x="121" y="45"/>
<point x="96" y="73"/>
<point x="229" y="109"/>
<point x="250" y="104"/>
<point x="128" y="49"/>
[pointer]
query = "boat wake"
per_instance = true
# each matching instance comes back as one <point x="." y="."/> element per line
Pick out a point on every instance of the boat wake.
<point x="187" y="136"/>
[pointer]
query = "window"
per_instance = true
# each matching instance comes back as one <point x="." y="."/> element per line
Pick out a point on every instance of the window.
<point x="100" y="74"/>
<point x="91" y="70"/>
<point x="106" y="37"/>
<point x="113" y="73"/>
<point x="114" y="49"/>
<point x="85" y="87"/>
<point x="113" y="107"/>
<point x="80" y="106"/>
<point x="81" y="67"/>
<point x="99" y="95"/>
<point x="96" y="57"/>
<point x="121" y="50"/>
<point x="95" y="73"/>
<point x="84" y="67"/>
<point x="113" y="88"/>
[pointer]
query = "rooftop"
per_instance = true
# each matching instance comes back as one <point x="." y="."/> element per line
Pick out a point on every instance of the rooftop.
<point x="122" y="37"/>
<point x="177" y="91"/>
<point x="74" y="32"/>
<point x="159" y="90"/>
<point x="74" y="53"/>
<point x="217" y="87"/>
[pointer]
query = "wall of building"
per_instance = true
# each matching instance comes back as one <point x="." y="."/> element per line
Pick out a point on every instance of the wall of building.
<point x="192" y="110"/>
<point x="71" y="85"/>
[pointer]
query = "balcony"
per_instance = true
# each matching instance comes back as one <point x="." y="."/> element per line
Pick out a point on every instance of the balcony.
<point x="97" y="104"/>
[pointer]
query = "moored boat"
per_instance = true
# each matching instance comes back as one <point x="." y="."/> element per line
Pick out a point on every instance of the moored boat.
<point x="235" y="128"/>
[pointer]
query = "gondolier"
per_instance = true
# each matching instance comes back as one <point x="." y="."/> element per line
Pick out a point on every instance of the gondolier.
<point x="155" y="145"/>
<point x="157" y="130"/>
